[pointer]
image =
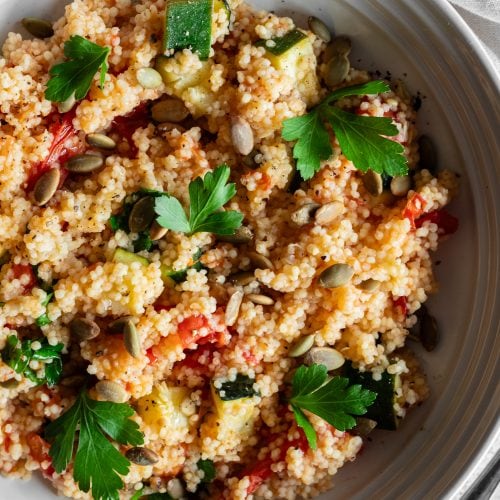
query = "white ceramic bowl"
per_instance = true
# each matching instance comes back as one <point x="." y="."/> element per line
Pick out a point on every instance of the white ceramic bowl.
<point x="443" y="445"/>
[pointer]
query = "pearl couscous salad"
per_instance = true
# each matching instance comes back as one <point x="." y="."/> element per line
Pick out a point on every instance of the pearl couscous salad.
<point x="216" y="243"/>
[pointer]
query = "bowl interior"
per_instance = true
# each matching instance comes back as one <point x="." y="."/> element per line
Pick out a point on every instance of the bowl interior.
<point x="401" y="41"/>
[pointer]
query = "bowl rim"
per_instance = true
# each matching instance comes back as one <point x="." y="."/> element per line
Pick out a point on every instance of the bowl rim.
<point x="481" y="456"/>
<point x="488" y="451"/>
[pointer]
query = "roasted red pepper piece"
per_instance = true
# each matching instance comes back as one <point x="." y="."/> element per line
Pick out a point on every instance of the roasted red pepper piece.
<point x="447" y="223"/>
<point x="61" y="127"/>
<point x="126" y="125"/>
<point x="402" y="304"/>
<point x="39" y="450"/>
<point x="414" y="209"/>
<point x="261" y="471"/>
<point x="19" y="270"/>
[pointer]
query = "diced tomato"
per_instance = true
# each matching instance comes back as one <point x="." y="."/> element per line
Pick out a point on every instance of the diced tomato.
<point x="262" y="469"/>
<point x="189" y="326"/>
<point x="401" y="303"/>
<point x="126" y="125"/>
<point x="151" y="356"/>
<point x="447" y="223"/>
<point x="39" y="448"/>
<point x="189" y="331"/>
<point x="7" y="442"/>
<point x="19" y="270"/>
<point x="414" y="208"/>
<point x="62" y="129"/>
<point x="193" y="357"/>
<point x="258" y="474"/>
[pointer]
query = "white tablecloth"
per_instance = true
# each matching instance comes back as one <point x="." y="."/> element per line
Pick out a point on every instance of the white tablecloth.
<point x="483" y="16"/>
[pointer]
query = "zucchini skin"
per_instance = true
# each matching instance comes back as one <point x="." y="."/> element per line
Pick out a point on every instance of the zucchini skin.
<point x="240" y="388"/>
<point x="188" y="25"/>
<point x="283" y="43"/>
<point x="382" y="410"/>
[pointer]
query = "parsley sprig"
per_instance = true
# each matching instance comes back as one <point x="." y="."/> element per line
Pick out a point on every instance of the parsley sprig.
<point x="18" y="355"/>
<point x="332" y="400"/>
<point x="44" y="319"/>
<point x="207" y="196"/>
<point x="76" y="75"/>
<point x="97" y="463"/>
<point x="361" y="138"/>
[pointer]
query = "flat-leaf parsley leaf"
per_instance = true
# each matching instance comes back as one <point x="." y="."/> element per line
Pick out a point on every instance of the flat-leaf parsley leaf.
<point x="362" y="139"/>
<point x="97" y="464"/>
<point x="76" y="75"/>
<point x="18" y="355"/>
<point x="333" y="400"/>
<point x="207" y="196"/>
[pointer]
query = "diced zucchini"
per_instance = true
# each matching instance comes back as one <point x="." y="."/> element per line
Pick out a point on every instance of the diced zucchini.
<point x="278" y="46"/>
<point x="220" y="6"/>
<point x="162" y="408"/>
<point x="240" y="388"/>
<point x="188" y="25"/>
<point x="382" y="410"/>
<point x="230" y="418"/>
<point x="169" y="276"/>
<point x="192" y="87"/>
<point x="126" y="257"/>
<point x="293" y="54"/>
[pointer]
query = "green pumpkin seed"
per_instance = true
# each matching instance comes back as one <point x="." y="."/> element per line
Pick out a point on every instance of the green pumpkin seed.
<point x="142" y="214"/>
<point x="429" y="333"/>
<point x="304" y="214"/>
<point x="319" y="28"/>
<point x="336" y="275"/>
<point x="39" y="28"/>
<point x="101" y="141"/>
<point x="11" y="383"/>
<point x="169" y="126"/>
<point x="84" y="164"/>
<point x="302" y="345"/>
<point x="149" y="78"/>
<point x="84" y="329"/>
<point x="131" y="339"/>
<point x="428" y="153"/>
<point x="118" y="325"/>
<point x="327" y="356"/>
<point x="142" y="456"/>
<point x="169" y="110"/>
<point x="337" y="69"/>
<point x="329" y="213"/>
<point x="67" y="105"/>
<point x="46" y="186"/>
<point x="400" y="185"/>
<point x="369" y="285"/>
<point x="157" y="232"/>
<point x="242" y="278"/>
<point x="242" y="136"/>
<point x="250" y="159"/>
<point x="373" y="183"/>
<point x="340" y="45"/>
<point x="364" y="426"/>
<point x="233" y="307"/>
<point x="260" y="299"/>
<point x="242" y="235"/>
<point x="111" y="391"/>
<point x="260" y="261"/>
